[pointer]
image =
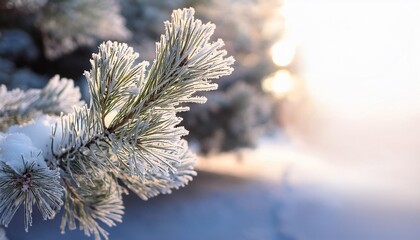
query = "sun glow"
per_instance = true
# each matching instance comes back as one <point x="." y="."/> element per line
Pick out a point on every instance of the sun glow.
<point x="362" y="62"/>
<point x="280" y="83"/>
<point x="361" y="78"/>
<point x="283" y="52"/>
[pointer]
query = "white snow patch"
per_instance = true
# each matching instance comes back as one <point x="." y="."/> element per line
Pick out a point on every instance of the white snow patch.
<point x="15" y="148"/>
<point x="39" y="132"/>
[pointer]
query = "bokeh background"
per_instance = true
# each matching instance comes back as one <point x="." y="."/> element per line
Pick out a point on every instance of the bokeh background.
<point x="314" y="136"/>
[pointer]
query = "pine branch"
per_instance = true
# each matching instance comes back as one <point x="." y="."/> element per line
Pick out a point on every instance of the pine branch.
<point x="172" y="79"/>
<point x="129" y="134"/>
<point x="18" y="107"/>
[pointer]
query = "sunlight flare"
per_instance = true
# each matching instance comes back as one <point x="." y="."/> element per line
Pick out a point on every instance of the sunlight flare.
<point x="280" y="83"/>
